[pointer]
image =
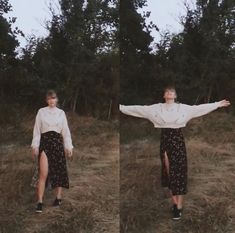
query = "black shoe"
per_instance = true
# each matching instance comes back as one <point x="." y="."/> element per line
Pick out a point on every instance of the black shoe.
<point x="177" y="213"/>
<point x="39" y="207"/>
<point x="57" y="202"/>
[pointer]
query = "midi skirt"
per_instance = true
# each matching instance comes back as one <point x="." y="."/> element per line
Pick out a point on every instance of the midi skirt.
<point x="172" y="142"/>
<point x="51" y="143"/>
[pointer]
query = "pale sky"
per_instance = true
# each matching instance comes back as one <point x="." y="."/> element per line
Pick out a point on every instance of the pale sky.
<point x="165" y="14"/>
<point x="32" y="14"/>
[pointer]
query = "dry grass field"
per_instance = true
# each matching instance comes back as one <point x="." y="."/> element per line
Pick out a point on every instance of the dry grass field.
<point x="92" y="202"/>
<point x="209" y="206"/>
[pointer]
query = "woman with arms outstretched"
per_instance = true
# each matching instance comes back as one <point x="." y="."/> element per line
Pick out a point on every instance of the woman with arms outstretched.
<point x="171" y="117"/>
<point x="51" y="143"/>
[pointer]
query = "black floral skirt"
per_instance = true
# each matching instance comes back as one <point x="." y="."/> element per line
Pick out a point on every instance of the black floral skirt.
<point x="172" y="142"/>
<point x="51" y="143"/>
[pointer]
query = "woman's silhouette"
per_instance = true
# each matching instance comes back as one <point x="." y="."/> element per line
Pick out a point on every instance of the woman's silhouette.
<point x="171" y="117"/>
<point x="51" y="142"/>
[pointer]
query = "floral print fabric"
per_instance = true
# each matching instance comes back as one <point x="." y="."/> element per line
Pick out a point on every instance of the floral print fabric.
<point x="172" y="142"/>
<point x="51" y="143"/>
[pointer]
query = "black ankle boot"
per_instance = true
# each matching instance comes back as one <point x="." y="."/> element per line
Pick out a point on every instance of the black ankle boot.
<point x="57" y="202"/>
<point x="39" y="207"/>
<point x="177" y="213"/>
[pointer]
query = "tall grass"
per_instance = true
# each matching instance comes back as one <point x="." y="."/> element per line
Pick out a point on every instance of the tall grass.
<point x="91" y="203"/>
<point x="145" y="205"/>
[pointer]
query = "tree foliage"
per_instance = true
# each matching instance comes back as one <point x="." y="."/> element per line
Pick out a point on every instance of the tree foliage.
<point x="99" y="50"/>
<point x="198" y="60"/>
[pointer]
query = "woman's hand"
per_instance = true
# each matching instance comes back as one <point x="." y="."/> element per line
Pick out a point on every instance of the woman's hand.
<point x="69" y="152"/>
<point x="224" y="103"/>
<point x="35" y="152"/>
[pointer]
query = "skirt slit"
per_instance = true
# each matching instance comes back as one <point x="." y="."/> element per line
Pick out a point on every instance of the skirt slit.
<point x="166" y="163"/>
<point x="39" y="157"/>
<point x="51" y="143"/>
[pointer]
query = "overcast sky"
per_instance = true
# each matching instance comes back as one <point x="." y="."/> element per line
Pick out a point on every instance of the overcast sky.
<point x="32" y="14"/>
<point x="165" y="14"/>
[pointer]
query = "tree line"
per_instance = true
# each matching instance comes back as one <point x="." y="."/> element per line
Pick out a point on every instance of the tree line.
<point x="100" y="52"/>
<point x="198" y="61"/>
<point x="78" y="58"/>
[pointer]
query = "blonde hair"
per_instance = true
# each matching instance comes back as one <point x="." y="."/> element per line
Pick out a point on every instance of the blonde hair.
<point x="51" y="93"/>
<point x="172" y="88"/>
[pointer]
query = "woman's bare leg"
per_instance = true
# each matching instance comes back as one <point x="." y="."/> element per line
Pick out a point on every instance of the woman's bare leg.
<point x="58" y="192"/>
<point x="42" y="176"/>
<point x="174" y="198"/>
<point x="180" y="202"/>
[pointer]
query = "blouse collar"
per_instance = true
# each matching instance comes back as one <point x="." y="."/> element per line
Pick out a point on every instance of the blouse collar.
<point x="52" y="109"/>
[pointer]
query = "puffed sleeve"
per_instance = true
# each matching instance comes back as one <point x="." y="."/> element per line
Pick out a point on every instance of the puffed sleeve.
<point x="36" y="131"/>
<point x="143" y="111"/>
<point x="66" y="133"/>
<point x="201" y="109"/>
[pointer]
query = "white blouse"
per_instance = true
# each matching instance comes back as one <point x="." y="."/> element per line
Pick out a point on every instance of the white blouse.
<point x="51" y="119"/>
<point x="168" y="115"/>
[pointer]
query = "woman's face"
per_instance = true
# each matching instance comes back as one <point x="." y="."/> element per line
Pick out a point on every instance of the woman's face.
<point x="169" y="94"/>
<point x="52" y="101"/>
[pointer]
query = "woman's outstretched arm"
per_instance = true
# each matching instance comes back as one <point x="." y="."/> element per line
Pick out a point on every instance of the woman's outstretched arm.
<point x="143" y="111"/>
<point x="203" y="109"/>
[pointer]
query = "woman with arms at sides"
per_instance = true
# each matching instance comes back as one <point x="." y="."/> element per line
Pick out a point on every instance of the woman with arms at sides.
<point x="171" y="117"/>
<point x="51" y="143"/>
